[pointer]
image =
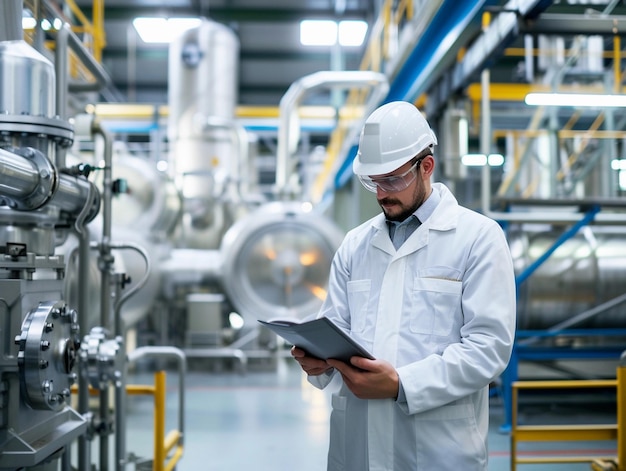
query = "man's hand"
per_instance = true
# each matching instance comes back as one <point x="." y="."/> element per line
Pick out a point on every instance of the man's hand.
<point x="368" y="379"/>
<point x="310" y="365"/>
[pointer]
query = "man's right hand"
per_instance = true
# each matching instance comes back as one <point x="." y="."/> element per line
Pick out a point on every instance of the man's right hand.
<point x="310" y="365"/>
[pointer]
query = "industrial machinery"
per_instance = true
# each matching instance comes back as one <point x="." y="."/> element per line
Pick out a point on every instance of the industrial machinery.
<point x="41" y="200"/>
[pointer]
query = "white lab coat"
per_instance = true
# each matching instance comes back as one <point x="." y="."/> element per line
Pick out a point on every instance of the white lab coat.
<point x="441" y="310"/>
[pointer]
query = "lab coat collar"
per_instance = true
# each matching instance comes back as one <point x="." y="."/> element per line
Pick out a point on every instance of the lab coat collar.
<point x="444" y="218"/>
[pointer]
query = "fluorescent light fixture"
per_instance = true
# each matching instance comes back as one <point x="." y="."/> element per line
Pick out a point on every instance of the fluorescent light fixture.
<point x="480" y="160"/>
<point x="28" y="22"/>
<point x="352" y="32"/>
<point x="575" y="99"/>
<point x="618" y="164"/>
<point x="318" y="32"/>
<point x="328" y="33"/>
<point x="163" y="30"/>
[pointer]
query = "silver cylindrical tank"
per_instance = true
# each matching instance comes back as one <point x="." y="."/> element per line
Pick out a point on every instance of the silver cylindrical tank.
<point x="582" y="273"/>
<point x="203" y="69"/>
<point x="28" y="81"/>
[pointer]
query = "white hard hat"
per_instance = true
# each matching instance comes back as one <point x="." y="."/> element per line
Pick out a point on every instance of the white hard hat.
<point x="391" y="136"/>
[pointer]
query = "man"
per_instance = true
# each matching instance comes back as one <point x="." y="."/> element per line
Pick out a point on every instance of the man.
<point x="428" y="288"/>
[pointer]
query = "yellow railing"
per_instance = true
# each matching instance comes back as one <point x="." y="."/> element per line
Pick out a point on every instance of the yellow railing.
<point x="163" y="444"/>
<point x="571" y="432"/>
<point x="92" y="32"/>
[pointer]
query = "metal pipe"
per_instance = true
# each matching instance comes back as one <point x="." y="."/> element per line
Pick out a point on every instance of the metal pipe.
<point x="120" y="421"/>
<point x="82" y="231"/>
<point x="11" y="20"/>
<point x="32" y="182"/>
<point x="103" y="427"/>
<point x="291" y="99"/>
<point x="106" y="259"/>
<point x="121" y="299"/>
<point x="19" y="177"/>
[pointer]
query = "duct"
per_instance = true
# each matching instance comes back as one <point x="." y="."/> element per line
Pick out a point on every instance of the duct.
<point x="582" y="274"/>
<point x="288" y="124"/>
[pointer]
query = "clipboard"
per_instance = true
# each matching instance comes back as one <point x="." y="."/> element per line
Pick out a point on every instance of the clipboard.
<point x="320" y="338"/>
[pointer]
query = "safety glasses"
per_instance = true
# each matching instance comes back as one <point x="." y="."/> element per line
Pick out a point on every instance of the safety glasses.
<point x="392" y="183"/>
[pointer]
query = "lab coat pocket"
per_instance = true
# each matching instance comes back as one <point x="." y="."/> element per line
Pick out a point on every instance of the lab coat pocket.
<point x="436" y="305"/>
<point x="451" y="431"/>
<point x="358" y="301"/>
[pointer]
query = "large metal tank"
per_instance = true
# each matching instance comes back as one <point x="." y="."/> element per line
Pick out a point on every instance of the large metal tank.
<point x="203" y="78"/>
<point x="276" y="261"/>
<point x="584" y="272"/>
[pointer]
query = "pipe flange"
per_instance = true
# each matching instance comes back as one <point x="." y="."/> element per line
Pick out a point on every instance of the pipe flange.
<point x="102" y="357"/>
<point x="48" y="346"/>
<point x="47" y="184"/>
<point x="55" y="129"/>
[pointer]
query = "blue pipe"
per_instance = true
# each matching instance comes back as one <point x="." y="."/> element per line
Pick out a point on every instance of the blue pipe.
<point x="418" y="71"/>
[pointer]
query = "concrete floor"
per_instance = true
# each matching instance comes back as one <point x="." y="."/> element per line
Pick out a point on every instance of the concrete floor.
<point x="272" y="419"/>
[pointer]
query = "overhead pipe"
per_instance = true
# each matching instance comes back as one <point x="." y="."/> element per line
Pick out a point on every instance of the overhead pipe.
<point x="288" y="110"/>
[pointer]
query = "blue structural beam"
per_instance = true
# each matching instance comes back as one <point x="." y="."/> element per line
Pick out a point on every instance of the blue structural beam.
<point x="568" y="234"/>
<point x="527" y="352"/>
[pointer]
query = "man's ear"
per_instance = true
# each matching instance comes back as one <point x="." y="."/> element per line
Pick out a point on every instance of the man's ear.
<point x="428" y="165"/>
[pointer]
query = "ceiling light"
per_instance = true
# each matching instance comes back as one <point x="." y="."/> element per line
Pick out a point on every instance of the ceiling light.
<point x="318" y="32"/>
<point x="352" y="33"/>
<point x="575" y="99"/>
<point x="329" y="33"/>
<point x="28" y="22"/>
<point x="163" y="30"/>
<point x="479" y="160"/>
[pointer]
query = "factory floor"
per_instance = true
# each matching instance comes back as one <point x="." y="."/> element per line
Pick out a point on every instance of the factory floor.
<point x="269" y="418"/>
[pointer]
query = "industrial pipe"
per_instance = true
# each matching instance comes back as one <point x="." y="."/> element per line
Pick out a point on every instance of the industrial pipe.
<point x="291" y="99"/>
<point x="30" y="181"/>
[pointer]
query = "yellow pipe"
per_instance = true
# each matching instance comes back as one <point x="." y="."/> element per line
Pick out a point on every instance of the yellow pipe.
<point x="140" y="389"/>
<point x="159" y="421"/>
<point x="617" y="73"/>
<point x="386" y="31"/>
<point x="621" y="414"/>
<point x="518" y="91"/>
<point x="521" y="52"/>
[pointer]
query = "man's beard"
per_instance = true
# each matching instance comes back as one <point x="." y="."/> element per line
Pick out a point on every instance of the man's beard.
<point x="419" y="196"/>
